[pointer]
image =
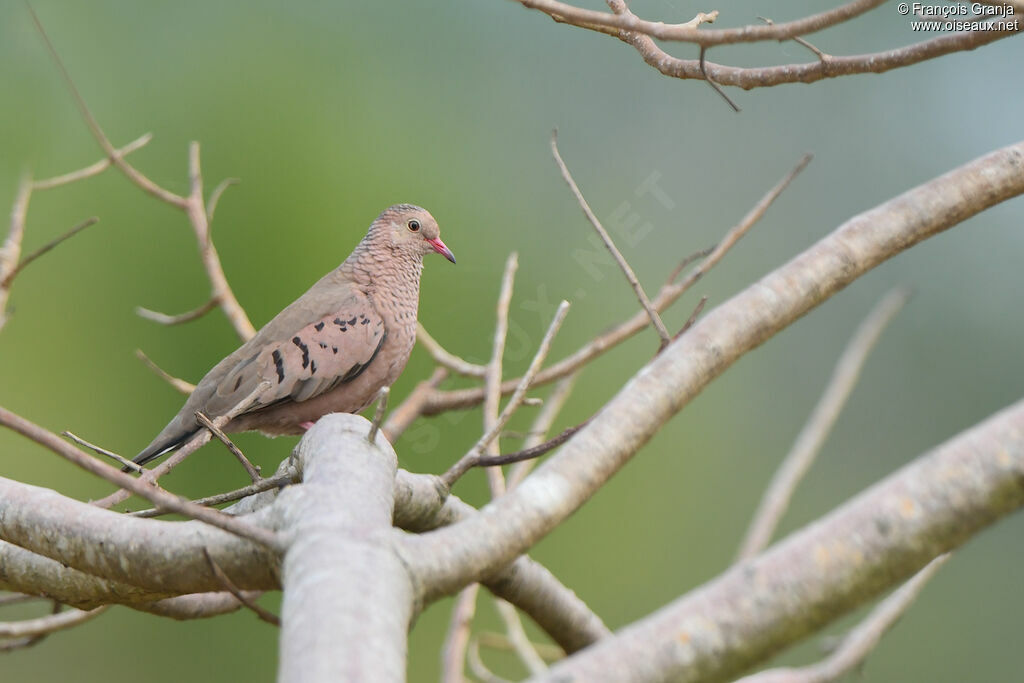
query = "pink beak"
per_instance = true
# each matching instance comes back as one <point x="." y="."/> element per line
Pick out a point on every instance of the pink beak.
<point x="441" y="249"/>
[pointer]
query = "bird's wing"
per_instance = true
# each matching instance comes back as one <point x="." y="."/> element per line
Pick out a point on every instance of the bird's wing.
<point x="302" y="363"/>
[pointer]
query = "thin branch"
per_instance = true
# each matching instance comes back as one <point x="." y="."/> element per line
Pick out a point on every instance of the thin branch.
<point x="494" y="369"/>
<point x="453" y="653"/>
<point x="795" y="465"/>
<point x="861" y="640"/>
<point x="441" y="401"/>
<point x="115" y="157"/>
<point x="179" y="385"/>
<point x="187" y="316"/>
<point x="697" y="310"/>
<point x="157" y="496"/>
<point x="150" y="476"/>
<point x="714" y="86"/>
<point x="211" y="204"/>
<point x="521" y="644"/>
<point x="252" y="470"/>
<point x="541" y="424"/>
<point x="477" y="666"/>
<point x="9" y="277"/>
<point x="531" y="453"/>
<point x="11" y="251"/>
<point x="412" y="407"/>
<point x="446" y="359"/>
<point x="33" y="628"/>
<point x="121" y="460"/>
<point x="93" y="170"/>
<point x="691" y="34"/>
<point x="378" y="417"/>
<point x="278" y="480"/>
<point x="262" y="613"/>
<point x="638" y="289"/>
<point x="499" y="641"/>
<point x="467" y="461"/>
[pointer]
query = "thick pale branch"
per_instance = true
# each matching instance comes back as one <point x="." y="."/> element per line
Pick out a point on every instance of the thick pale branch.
<point x="449" y="558"/>
<point x="880" y="537"/>
<point x="795" y="465"/>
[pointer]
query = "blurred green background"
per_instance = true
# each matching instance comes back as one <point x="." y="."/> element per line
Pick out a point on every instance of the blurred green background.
<point x="328" y="112"/>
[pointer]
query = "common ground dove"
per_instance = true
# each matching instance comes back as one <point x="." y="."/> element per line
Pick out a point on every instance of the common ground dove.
<point x="332" y="349"/>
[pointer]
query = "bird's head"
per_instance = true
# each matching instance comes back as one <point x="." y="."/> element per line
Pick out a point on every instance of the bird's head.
<point x="412" y="229"/>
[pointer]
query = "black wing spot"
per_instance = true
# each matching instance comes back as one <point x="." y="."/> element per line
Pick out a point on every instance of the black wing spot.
<point x="322" y="345"/>
<point x="341" y="324"/>
<point x="238" y="383"/>
<point x="319" y="326"/>
<point x="312" y="367"/>
<point x="335" y="349"/>
<point x="352" y="321"/>
<point x="279" y="365"/>
<point x="305" y="351"/>
<point x="365" y="321"/>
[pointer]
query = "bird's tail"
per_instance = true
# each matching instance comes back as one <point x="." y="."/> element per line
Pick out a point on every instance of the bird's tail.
<point x="161" y="444"/>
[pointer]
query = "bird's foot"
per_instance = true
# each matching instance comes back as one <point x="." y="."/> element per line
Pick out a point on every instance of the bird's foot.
<point x="306" y="425"/>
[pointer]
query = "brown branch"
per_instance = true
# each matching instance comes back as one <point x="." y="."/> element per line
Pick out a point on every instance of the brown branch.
<point x="477" y="666"/>
<point x="861" y="640"/>
<point x="9" y="277"/>
<point x="187" y="316"/>
<point x="158" y="497"/>
<point x="262" y="613"/>
<point x="178" y="384"/>
<point x="531" y="453"/>
<point x="795" y="465"/>
<point x="469" y="459"/>
<point x="440" y="401"/>
<point x="638" y="289"/>
<point x="124" y="462"/>
<point x="702" y="62"/>
<point x="218" y="192"/>
<point x="93" y="170"/>
<point x="290" y="476"/>
<point x="412" y="407"/>
<point x="541" y="424"/>
<point x="691" y="34"/>
<point x="521" y="644"/>
<point x="34" y="628"/>
<point x="446" y="359"/>
<point x="150" y="476"/>
<point x="493" y="372"/>
<point x="697" y="310"/>
<point x="252" y="470"/>
<point x="832" y="67"/>
<point x="11" y="251"/>
<point x="453" y="652"/>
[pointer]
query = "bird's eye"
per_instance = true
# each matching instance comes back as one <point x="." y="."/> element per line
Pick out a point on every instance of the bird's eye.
<point x="414" y="225"/>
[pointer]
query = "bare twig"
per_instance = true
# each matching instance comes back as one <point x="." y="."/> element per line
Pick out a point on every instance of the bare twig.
<point x="440" y="401"/>
<point x="541" y="424"/>
<point x="11" y="251"/>
<point x="687" y="260"/>
<point x="861" y="640"/>
<point x="638" y="289"/>
<point x="499" y="641"/>
<point x="453" y="653"/>
<point x="477" y="666"/>
<point x="800" y="41"/>
<point x="125" y="462"/>
<point x="692" y="319"/>
<point x="179" y="385"/>
<point x="378" y="417"/>
<point x="711" y="82"/>
<point x="33" y="628"/>
<point x="157" y="496"/>
<point x="795" y="465"/>
<point x="494" y="369"/>
<point x="688" y="32"/>
<point x="93" y="170"/>
<point x="211" y="204"/>
<point x="446" y="359"/>
<point x="273" y="482"/>
<point x="521" y="644"/>
<point x="9" y="277"/>
<point x="467" y="461"/>
<point x="531" y="453"/>
<point x="187" y="316"/>
<point x="261" y="612"/>
<point x="252" y="470"/>
<point x="412" y="407"/>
